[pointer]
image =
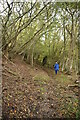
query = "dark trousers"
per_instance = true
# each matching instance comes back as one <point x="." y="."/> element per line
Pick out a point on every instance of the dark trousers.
<point x="56" y="71"/>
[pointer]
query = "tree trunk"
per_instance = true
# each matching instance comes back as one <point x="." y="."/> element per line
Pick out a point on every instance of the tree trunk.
<point x="63" y="66"/>
<point x="28" y="56"/>
<point x="32" y="59"/>
<point x="72" y="43"/>
<point x="79" y="65"/>
<point x="71" y="53"/>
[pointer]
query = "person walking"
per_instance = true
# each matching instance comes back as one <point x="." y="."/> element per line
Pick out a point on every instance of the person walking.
<point x="56" y="68"/>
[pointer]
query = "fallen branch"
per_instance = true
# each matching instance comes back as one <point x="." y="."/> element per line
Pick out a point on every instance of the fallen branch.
<point x="9" y="71"/>
<point x="76" y="85"/>
<point x="12" y="64"/>
<point x="7" y="75"/>
<point x="8" y="59"/>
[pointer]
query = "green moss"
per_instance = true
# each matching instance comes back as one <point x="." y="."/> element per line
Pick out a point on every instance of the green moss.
<point x="41" y="79"/>
<point x="44" y="78"/>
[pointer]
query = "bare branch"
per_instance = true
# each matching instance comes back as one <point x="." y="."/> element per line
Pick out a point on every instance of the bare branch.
<point x="68" y="30"/>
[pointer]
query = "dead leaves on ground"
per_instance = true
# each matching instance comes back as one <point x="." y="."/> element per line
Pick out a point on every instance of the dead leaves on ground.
<point x="38" y="96"/>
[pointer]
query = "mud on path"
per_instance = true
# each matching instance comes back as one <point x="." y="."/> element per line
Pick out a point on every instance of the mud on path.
<point x="36" y="92"/>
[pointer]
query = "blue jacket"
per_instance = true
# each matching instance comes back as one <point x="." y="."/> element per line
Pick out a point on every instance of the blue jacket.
<point x="56" y="66"/>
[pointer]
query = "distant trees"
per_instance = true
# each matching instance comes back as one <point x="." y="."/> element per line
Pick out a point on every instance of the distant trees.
<point x="72" y="11"/>
<point x="39" y="29"/>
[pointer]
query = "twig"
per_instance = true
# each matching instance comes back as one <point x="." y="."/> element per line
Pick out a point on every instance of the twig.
<point x="8" y="59"/>
<point x="5" y="74"/>
<point x="76" y="85"/>
<point x="13" y="65"/>
<point x="9" y="71"/>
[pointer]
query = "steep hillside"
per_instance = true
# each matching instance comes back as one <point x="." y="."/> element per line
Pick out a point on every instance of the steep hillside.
<point x="37" y="92"/>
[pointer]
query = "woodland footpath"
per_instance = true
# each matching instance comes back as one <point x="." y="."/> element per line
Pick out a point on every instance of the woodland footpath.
<point x="37" y="92"/>
<point x="33" y="36"/>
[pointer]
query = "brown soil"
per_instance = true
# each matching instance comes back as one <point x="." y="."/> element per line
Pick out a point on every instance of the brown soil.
<point x="26" y="94"/>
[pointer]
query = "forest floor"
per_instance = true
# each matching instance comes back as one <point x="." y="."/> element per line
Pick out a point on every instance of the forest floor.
<point x="37" y="92"/>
